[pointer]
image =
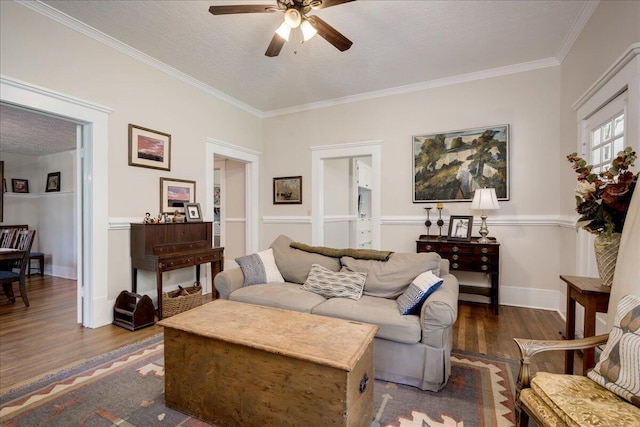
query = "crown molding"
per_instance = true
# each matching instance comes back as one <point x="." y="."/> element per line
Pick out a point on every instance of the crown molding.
<point x="95" y="34"/>
<point x="431" y="84"/>
<point x="629" y="55"/>
<point x="575" y="30"/>
<point x="39" y="90"/>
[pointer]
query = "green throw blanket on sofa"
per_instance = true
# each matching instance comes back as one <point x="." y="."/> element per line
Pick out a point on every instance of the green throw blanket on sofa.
<point x="338" y="253"/>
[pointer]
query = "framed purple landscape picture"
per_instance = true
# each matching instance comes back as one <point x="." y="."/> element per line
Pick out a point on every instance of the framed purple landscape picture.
<point x="149" y="148"/>
<point x="450" y="166"/>
<point x="175" y="194"/>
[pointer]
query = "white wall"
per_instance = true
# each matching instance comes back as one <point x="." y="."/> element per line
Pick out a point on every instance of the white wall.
<point x="40" y="51"/>
<point x="51" y="214"/>
<point x="527" y="101"/>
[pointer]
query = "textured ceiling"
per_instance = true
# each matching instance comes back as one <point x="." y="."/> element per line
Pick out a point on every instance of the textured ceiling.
<point x="395" y="43"/>
<point x="397" y="46"/>
<point x="31" y="133"/>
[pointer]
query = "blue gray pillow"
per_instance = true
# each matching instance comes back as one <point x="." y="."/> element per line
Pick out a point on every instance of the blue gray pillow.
<point x="259" y="268"/>
<point x="419" y="289"/>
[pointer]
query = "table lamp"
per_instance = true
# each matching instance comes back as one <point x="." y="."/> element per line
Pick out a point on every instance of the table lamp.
<point x="484" y="200"/>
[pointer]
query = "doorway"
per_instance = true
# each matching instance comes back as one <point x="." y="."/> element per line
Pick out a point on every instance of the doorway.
<point x="91" y="205"/>
<point x="323" y="163"/>
<point x="238" y="196"/>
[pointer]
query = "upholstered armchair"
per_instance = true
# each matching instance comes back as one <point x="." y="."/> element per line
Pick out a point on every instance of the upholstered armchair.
<point x="610" y="393"/>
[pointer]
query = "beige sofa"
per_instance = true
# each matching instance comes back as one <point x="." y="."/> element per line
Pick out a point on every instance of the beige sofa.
<point x="408" y="349"/>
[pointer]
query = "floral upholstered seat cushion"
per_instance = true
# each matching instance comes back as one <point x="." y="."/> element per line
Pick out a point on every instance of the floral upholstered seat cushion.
<point x="619" y="366"/>
<point x="578" y="401"/>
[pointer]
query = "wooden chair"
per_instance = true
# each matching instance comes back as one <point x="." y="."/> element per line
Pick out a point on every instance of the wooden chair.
<point x="24" y="241"/>
<point x="7" y="236"/>
<point x="598" y="399"/>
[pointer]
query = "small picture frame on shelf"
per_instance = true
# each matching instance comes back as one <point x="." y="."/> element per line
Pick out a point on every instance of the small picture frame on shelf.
<point x="20" y="185"/>
<point x="53" y="182"/>
<point x="192" y="212"/>
<point x="460" y="227"/>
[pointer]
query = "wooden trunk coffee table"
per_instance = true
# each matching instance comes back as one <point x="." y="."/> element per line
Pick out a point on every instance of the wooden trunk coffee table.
<point x="236" y="364"/>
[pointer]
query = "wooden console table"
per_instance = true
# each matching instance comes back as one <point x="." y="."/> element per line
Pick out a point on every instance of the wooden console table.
<point x="589" y="293"/>
<point x="166" y="247"/>
<point x="469" y="256"/>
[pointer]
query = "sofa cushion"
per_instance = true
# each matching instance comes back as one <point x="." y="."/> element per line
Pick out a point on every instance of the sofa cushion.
<point x="377" y="311"/>
<point x="578" y="401"/>
<point x="422" y="286"/>
<point x="389" y="279"/>
<point x="334" y="284"/>
<point x="294" y="264"/>
<point x="259" y="268"/>
<point x="288" y="296"/>
<point x="619" y="366"/>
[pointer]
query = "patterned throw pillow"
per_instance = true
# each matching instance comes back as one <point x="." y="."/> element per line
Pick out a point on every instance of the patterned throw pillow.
<point x="619" y="366"/>
<point x="422" y="286"/>
<point x="259" y="268"/>
<point x="330" y="284"/>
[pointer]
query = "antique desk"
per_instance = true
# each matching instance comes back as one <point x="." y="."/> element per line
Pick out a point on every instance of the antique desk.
<point x="166" y="247"/>
<point x="235" y="364"/>
<point x="469" y="256"/>
<point x="589" y="293"/>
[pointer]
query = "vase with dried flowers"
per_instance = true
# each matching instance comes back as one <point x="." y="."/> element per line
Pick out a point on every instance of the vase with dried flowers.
<point x="602" y="200"/>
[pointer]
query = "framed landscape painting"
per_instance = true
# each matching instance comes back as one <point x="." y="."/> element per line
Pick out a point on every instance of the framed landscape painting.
<point x="175" y="194"/>
<point x="149" y="148"/>
<point x="287" y="190"/>
<point x="450" y="166"/>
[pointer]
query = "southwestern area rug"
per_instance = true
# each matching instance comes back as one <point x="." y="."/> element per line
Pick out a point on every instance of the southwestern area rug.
<point x="126" y="388"/>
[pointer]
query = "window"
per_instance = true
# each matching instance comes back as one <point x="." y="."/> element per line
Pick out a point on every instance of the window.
<point x="606" y="134"/>
<point x="606" y="141"/>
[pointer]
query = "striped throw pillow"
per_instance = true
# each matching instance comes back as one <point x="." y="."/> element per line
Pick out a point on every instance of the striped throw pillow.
<point x="332" y="284"/>
<point x="619" y="366"/>
<point x="259" y="268"/>
<point x="422" y="286"/>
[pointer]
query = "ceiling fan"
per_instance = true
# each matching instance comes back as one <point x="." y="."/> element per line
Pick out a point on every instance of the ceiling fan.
<point x="295" y="15"/>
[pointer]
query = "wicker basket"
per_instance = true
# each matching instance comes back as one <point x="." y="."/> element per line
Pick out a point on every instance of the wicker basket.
<point x="174" y="303"/>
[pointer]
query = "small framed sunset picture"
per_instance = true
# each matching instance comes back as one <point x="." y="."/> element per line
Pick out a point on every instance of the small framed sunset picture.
<point x="175" y="194"/>
<point x="149" y="148"/>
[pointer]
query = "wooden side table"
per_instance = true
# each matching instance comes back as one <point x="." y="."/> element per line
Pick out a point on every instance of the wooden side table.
<point x="469" y="256"/>
<point x="589" y="293"/>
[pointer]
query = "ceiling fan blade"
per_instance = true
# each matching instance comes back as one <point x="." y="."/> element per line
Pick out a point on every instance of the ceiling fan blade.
<point x="242" y="8"/>
<point x="275" y="46"/>
<point x="328" y="3"/>
<point x="330" y="34"/>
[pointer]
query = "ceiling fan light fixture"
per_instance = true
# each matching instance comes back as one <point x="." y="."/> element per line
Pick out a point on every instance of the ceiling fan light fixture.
<point x="307" y="30"/>
<point x="284" y="30"/>
<point x="293" y="18"/>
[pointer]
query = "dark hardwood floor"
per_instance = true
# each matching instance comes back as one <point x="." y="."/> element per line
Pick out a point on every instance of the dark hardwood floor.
<point x="45" y="336"/>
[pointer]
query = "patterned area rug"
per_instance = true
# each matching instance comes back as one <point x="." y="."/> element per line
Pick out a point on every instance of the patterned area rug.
<point x="126" y="387"/>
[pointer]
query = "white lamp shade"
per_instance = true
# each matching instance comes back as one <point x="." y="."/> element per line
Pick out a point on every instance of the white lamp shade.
<point x="283" y="31"/>
<point x="307" y="30"/>
<point x="293" y="18"/>
<point x="485" y="199"/>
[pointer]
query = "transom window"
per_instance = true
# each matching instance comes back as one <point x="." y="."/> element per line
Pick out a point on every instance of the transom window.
<point x="606" y="141"/>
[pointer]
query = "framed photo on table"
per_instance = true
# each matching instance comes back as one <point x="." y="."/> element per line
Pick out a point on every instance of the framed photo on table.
<point x="460" y="227"/>
<point x="175" y="193"/>
<point x="149" y="148"/>
<point x="192" y="212"/>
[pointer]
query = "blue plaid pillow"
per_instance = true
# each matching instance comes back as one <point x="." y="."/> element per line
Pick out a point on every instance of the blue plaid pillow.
<point x="422" y="286"/>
